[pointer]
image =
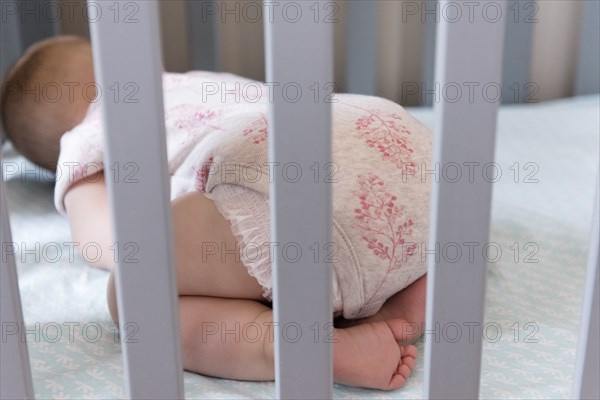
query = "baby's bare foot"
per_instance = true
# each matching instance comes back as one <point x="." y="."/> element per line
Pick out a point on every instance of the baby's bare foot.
<point x="369" y="355"/>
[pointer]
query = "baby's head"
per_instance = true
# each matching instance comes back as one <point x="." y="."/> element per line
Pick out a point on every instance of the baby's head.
<point x="43" y="96"/>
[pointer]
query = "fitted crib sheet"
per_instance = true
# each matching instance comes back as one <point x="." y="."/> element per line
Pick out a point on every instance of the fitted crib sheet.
<point x="532" y="308"/>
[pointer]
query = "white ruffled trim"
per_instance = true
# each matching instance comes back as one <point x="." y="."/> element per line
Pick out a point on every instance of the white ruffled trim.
<point x="248" y="213"/>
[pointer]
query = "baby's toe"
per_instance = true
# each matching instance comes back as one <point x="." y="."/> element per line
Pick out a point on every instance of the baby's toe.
<point x="404" y="370"/>
<point x="397" y="381"/>
<point x="409" y="362"/>
<point x="409" y="351"/>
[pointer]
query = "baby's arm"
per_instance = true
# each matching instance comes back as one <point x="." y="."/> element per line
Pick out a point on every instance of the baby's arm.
<point x="87" y="208"/>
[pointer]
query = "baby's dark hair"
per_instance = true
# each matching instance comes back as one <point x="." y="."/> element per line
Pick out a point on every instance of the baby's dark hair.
<point x="36" y="105"/>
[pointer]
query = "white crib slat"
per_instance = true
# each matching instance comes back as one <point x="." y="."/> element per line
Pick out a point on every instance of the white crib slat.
<point x="299" y="55"/>
<point x="587" y="368"/>
<point x="15" y="372"/>
<point x="128" y="69"/>
<point x="460" y="211"/>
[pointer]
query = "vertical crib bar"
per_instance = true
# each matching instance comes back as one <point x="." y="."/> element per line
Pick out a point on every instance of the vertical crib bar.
<point x="128" y="69"/>
<point x="587" y="367"/>
<point x="40" y="19"/>
<point x="15" y="372"/>
<point x="361" y="47"/>
<point x="203" y="23"/>
<point x="469" y="52"/>
<point x="516" y="87"/>
<point x="430" y="19"/>
<point x="588" y="62"/>
<point x="299" y="67"/>
<point x="10" y="36"/>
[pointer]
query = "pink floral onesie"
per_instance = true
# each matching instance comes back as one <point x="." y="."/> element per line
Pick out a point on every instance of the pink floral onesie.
<point x="217" y="145"/>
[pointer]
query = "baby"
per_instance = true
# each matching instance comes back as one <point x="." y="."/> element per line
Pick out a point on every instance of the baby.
<point x="380" y="216"/>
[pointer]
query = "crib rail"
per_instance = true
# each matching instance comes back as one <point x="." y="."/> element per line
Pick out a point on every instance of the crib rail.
<point x="464" y="134"/>
<point x="588" y="63"/>
<point x="10" y="42"/>
<point x="298" y="53"/>
<point x="587" y="367"/>
<point x="15" y="371"/>
<point x="127" y="56"/>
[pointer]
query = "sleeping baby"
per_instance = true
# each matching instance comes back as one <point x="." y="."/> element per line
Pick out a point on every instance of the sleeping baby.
<point x="218" y="165"/>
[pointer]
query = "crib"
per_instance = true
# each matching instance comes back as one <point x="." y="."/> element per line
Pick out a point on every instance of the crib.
<point x="468" y="49"/>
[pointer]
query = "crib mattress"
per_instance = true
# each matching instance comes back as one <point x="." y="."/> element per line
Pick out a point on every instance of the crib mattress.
<point x="542" y="208"/>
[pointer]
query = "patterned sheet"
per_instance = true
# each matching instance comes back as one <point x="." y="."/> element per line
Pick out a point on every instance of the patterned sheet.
<point x="534" y="287"/>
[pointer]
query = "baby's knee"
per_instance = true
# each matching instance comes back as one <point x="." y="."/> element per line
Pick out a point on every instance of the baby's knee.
<point x="111" y="298"/>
